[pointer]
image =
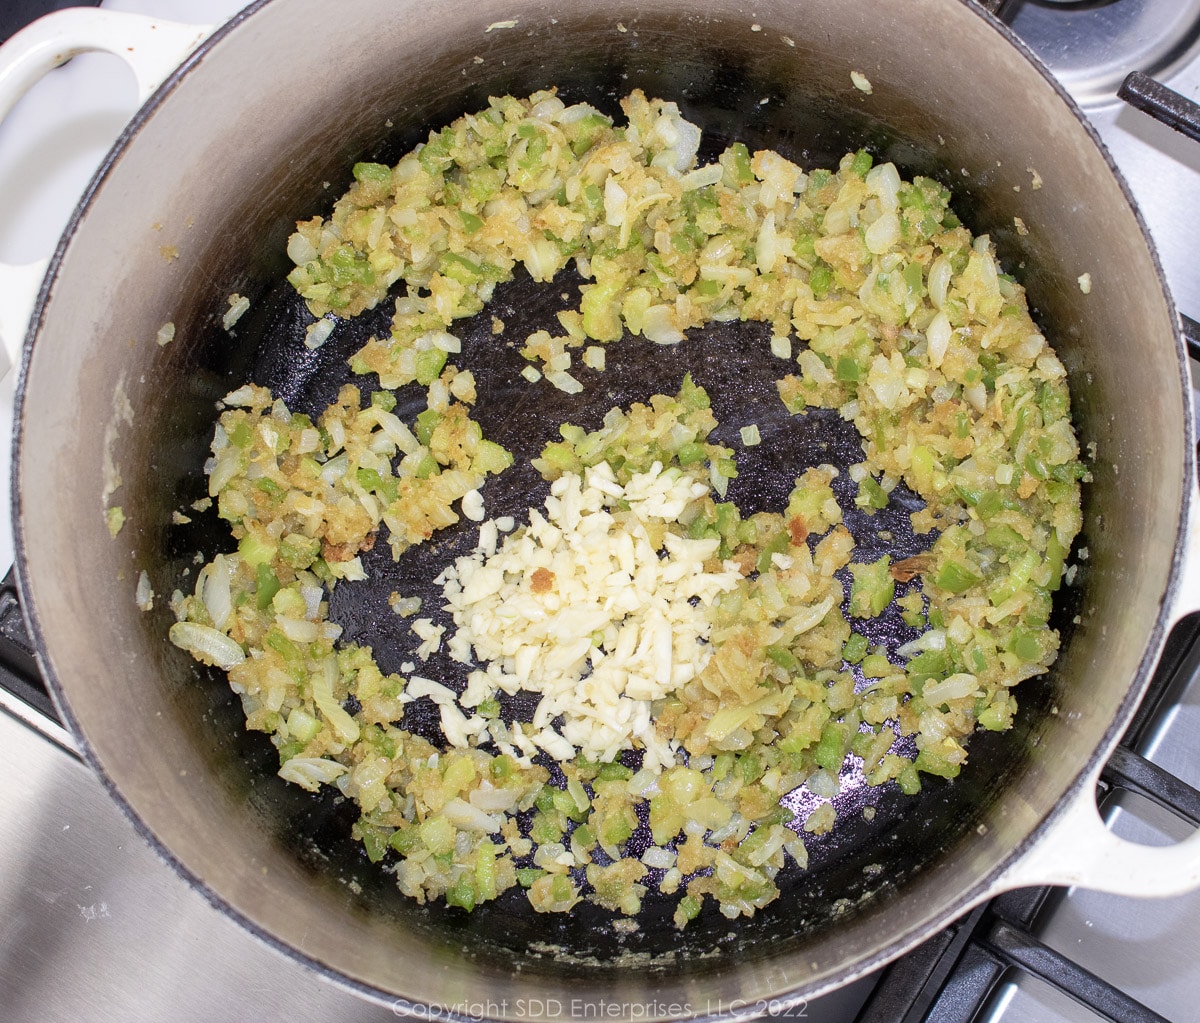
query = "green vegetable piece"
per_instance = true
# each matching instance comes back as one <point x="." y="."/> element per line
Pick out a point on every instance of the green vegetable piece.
<point x="909" y="780"/>
<point x="302" y="726"/>
<point x="749" y="768"/>
<point x="877" y="666"/>
<point x="821" y="280"/>
<point x="426" y="423"/>
<point x="405" y="840"/>
<point x="1026" y="646"/>
<point x="241" y="435"/>
<point x="429" y="365"/>
<point x="784" y="658"/>
<point x="562" y="889"/>
<point x="736" y="161"/>
<point x="862" y="162"/>
<point x="996" y="718"/>
<point x="616" y="830"/>
<point x="370" y="480"/>
<point x="485" y="872"/>
<point x="932" y="763"/>
<point x="374" y="840"/>
<point x="955" y="578"/>
<point x="855" y="648"/>
<point x="377" y="173"/>
<point x="437" y="834"/>
<point x="268" y="586"/>
<point x="872" y="589"/>
<point x="871" y="495"/>
<point x="546" y="829"/>
<point x="613" y="772"/>
<point x="778" y="544"/>
<point x="255" y="550"/>
<point x="849" y="370"/>
<point x="385" y="400"/>
<point x="462" y="893"/>
<point x="831" y="750"/>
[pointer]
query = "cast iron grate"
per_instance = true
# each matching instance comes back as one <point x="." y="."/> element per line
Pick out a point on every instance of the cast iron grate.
<point x="18" y="668"/>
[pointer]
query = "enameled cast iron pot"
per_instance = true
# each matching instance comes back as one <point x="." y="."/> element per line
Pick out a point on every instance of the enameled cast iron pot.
<point x="258" y="128"/>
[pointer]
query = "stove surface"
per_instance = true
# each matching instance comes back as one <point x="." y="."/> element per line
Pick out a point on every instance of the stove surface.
<point x="94" y="926"/>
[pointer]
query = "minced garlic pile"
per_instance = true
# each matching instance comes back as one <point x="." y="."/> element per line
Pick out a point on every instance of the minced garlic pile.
<point x="597" y="607"/>
<point x="692" y="667"/>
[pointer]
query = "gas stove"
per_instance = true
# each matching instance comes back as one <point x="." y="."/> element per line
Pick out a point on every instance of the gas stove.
<point x="93" y="926"/>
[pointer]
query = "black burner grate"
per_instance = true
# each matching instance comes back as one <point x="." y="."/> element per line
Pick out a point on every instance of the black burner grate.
<point x="16" y="14"/>
<point x="18" y="667"/>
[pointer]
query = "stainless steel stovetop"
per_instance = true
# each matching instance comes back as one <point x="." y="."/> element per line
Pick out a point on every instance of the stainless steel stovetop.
<point x="94" y="927"/>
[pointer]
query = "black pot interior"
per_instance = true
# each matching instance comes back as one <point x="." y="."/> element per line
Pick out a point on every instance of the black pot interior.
<point x="766" y="100"/>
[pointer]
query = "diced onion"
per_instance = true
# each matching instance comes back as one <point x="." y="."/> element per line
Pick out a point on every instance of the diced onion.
<point x="207" y="644"/>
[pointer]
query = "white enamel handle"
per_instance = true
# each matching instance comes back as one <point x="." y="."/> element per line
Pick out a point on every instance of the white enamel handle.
<point x="1080" y="849"/>
<point x="151" y="47"/>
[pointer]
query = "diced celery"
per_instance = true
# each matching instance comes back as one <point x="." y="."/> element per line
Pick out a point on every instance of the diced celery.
<point x="302" y="725"/>
<point x="490" y="457"/>
<point x="255" y="550"/>
<point x="821" y="280"/>
<point x="955" y="578"/>
<point x="429" y="365"/>
<point x="778" y="544"/>
<point x="374" y="840"/>
<point x="855" y="648"/>
<point x="485" y="871"/>
<point x="267" y="586"/>
<point x="562" y="889"/>
<point x="830" y="750"/>
<point x="749" y="767"/>
<point x="437" y="834"/>
<point x="614" y="772"/>
<point x="877" y="666"/>
<point x="872" y="589"/>
<point x="932" y="763"/>
<point x="426" y="423"/>
<point x="545" y="829"/>
<point x="784" y="658"/>
<point x="377" y="173"/>
<point x="405" y="840"/>
<point x="909" y="780"/>
<point x="462" y="893"/>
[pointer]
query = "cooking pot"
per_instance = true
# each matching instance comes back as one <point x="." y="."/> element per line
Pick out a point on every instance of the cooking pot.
<point x="258" y="127"/>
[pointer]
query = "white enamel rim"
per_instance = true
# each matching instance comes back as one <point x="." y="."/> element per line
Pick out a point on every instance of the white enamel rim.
<point x="1078" y="849"/>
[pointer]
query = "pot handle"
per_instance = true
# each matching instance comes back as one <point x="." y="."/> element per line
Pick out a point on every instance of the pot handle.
<point x="1080" y="849"/>
<point x="151" y="47"/>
